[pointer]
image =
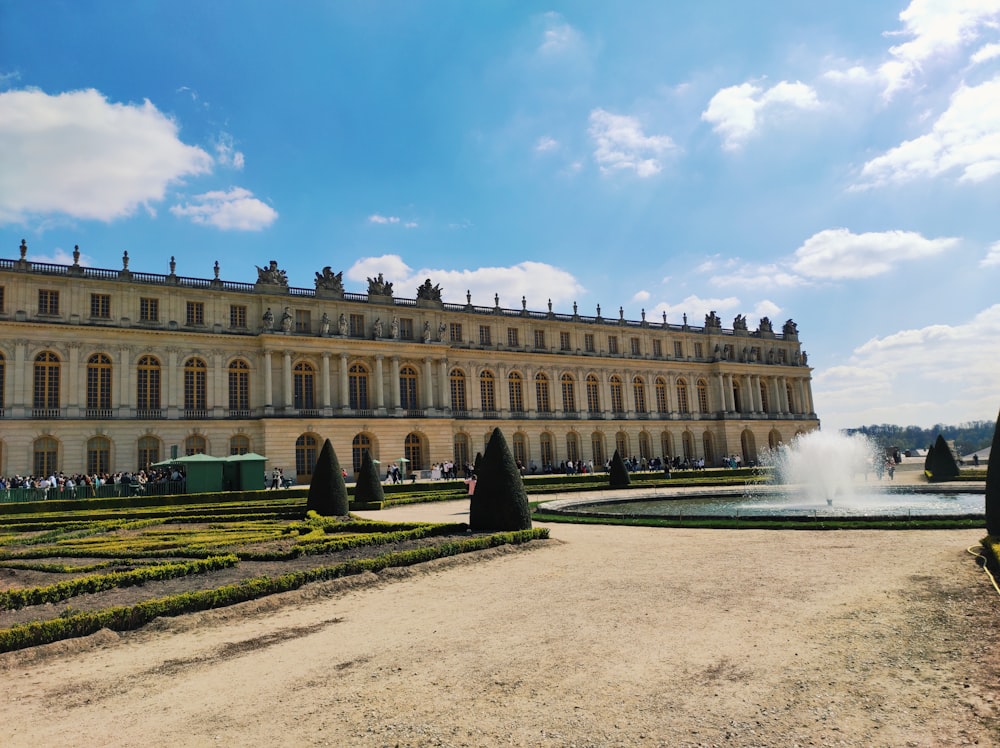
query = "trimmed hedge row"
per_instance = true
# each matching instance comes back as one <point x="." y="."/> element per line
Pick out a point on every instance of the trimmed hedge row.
<point x="135" y="616"/>
<point x="371" y="538"/>
<point x="15" y="599"/>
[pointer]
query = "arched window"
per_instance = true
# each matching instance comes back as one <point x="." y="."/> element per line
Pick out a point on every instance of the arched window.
<point x="148" y="453"/>
<point x="791" y="399"/>
<point x="708" y="448"/>
<point x="687" y="440"/>
<point x="661" y="395"/>
<point x="147" y="388"/>
<point x="362" y="443"/>
<point x="593" y="394"/>
<point x="764" y="405"/>
<point x="572" y="447"/>
<point x="737" y="392"/>
<point x="487" y="392"/>
<point x="568" y="393"/>
<point x="702" y="388"/>
<point x="358" y="387"/>
<point x="46" y="392"/>
<point x="461" y="451"/>
<point x="542" y="393"/>
<point x="239" y="388"/>
<point x="749" y="445"/>
<point x="597" y="449"/>
<point x="414" y="450"/>
<point x="545" y="447"/>
<point x="622" y="445"/>
<point x="98" y="455"/>
<point x="516" y="392"/>
<point x="304" y="387"/>
<point x="45" y="456"/>
<point x="408" y="388"/>
<point x="639" y="392"/>
<point x="682" y="397"/>
<point x="195" y="445"/>
<point x="306" y="452"/>
<point x="645" y="452"/>
<point x="195" y="387"/>
<point x="617" y="400"/>
<point x="459" y="403"/>
<point x="239" y="444"/>
<point x="99" y="386"/>
<point x="666" y="445"/>
<point x="519" y="446"/>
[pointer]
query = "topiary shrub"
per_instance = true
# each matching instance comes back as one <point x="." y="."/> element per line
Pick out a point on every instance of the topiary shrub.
<point x="477" y="462"/>
<point x="327" y="491"/>
<point x="499" y="501"/>
<point x="368" y="489"/>
<point x="993" y="485"/>
<point x="940" y="464"/>
<point x="617" y="472"/>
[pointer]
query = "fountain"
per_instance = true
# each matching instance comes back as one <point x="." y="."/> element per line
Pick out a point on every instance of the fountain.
<point x="823" y="466"/>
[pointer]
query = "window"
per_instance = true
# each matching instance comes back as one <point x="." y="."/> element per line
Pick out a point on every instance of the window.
<point x="362" y="443"/>
<point x="657" y="349"/>
<point x="568" y="393"/>
<point x="661" y="395"/>
<point x="516" y="391"/>
<point x="763" y="397"/>
<point x="460" y="451"/>
<point x="357" y="326"/>
<point x="406" y="328"/>
<point x="564" y="344"/>
<point x="542" y="393"/>
<point x="408" y="388"/>
<point x="588" y="342"/>
<point x="303" y="386"/>
<point x="48" y="302"/>
<point x="99" y="386"/>
<point x="147" y="383"/>
<point x="100" y="306"/>
<point x="195" y="445"/>
<point x="458" y="400"/>
<point x="45" y="456"/>
<point x="790" y="398"/>
<point x="487" y="392"/>
<point x="239" y="444"/>
<point x="702" y="388"/>
<point x="413" y="448"/>
<point x="635" y="347"/>
<point x="195" y="385"/>
<point x="1" y="300"/>
<point x="682" y="397"/>
<point x="513" y="338"/>
<point x="545" y="447"/>
<point x="645" y="452"/>
<point x="303" y="320"/>
<point x="621" y="444"/>
<point x="239" y="387"/>
<point x="46" y="391"/>
<point x="678" y="349"/>
<point x="195" y="313"/>
<point x="698" y="351"/>
<point x="572" y="447"/>
<point x="612" y="344"/>
<point x="539" y="338"/>
<point x="597" y="448"/>
<point x="484" y="335"/>
<point x="617" y="401"/>
<point x="593" y="395"/>
<point x="639" y="393"/>
<point x="149" y="310"/>
<point x="98" y="455"/>
<point x="519" y="448"/>
<point x="306" y="451"/>
<point x="358" y="387"/>
<point x="238" y="316"/>
<point x="149" y="451"/>
<point x="455" y="332"/>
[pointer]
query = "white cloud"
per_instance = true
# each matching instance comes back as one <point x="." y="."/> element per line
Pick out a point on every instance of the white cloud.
<point x="621" y="144"/>
<point x="79" y="155"/>
<point x="985" y="53"/>
<point x="966" y="138"/>
<point x="60" y="256"/>
<point x="226" y="153"/>
<point x="854" y="75"/>
<point x="936" y="29"/>
<point x="695" y="308"/>
<point x="641" y="296"/>
<point x="737" y="112"/>
<point x="558" y="36"/>
<point x="934" y="374"/>
<point x="546" y="143"/>
<point x="537" y="281"/>
<point x="770" y="275"/>
<point x="992" y="258"/>
<point x="236" y="209"/>
<point x="839" y="254"/>
<point x="376" y="218"/>
<point x="410" y="225"/>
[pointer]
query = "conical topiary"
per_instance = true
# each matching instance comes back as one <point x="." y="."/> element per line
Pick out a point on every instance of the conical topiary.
<point x="617" y="472"/>
<point x="477" y="462"/>
<point x="327" y="491"/>
<point x="940" y="464"/>
<point x="929" y="462"/>
<point x="499" y="501"/>
<point x="993" y="485"/>
<point x="368" y="489"/>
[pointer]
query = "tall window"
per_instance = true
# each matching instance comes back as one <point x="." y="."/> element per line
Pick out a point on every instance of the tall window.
<point x="597" y="449"/>
<point x="593" y="394"/>
<point x="539" y="338"/>
<point x="361" y="444"/>
<point x="487" y="391"/>
<point x="413" y="448"/>
<point x="635" y="346"/>
<point x="237" y="316"/>
<point x="408" y="388"/>
<point x="513" y="338"/>
<point x="661" y="395"/>
<point x="621" y="444"/>
<point x="666" y="445"/>
<point x="46" y="391"/>
<point x="572" y="447"/>
<point x="682" y="397"/>
<point x="195" y="445"/>
<point x="100" y="305"/>
<point x="149" y="451"/>
<point x="195" y="385"/>
<point x="455" y="332"/>
<point x="239" y="444"/>
<point x="306" y="451"/>
<point x="303" y="320"/>
<point x="458" y="399"/>
<point x="358" y="387"/>
<point x="98" y="455"/>
<point x="147" y="387"/>
<point x="737" y="395"/>
<point x="678" y="349"/>
<point x="564" y="344"/>
<point x="98" y="385"/>
<point x="239" y="386"/>
<point x="644" y="449"/>
<point x="45" y="456"/>
<point x="702" y="388"/>
<point x="516" y="392"/>
<point x="545" y="447"/>
<point x="639" y="393"/>
<point x="485" y="337"/>
<point x="791" y="399"/>
<point x="568" y="393"/>
<point x="657" y="349"/>
<point x="763" y="397"/>
<point x="612" y="344"/>
<point x="542" y="393"/>
<point x="519" y="447"/>
<point x="303" y="386"/>
<point x="357" y="325"/>
<point x="149" y="310"/>
<point x="406" y="328"/>
<point x="617" y="400"/>
<point x="698" y="351"/>
<point x="195" y="313"/>
<point x="588" y="342"/>
<point x="461" y="450"/>
<point x="48" y="302"/>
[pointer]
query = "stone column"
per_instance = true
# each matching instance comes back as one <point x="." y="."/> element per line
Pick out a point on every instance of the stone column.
<point x="173" y="385"/>
<point x="125" y="373"/>
<point x="76" y="382"/>
<point x="394" y="398"/>
<point x="444" y="385"/>
<point x="345" y="400"/>
<point x="287" y="398"/>
<point x="428" y="384"/>
<point x="268" y="383"/>
<point x="21" y="397"/>
<point x="807" y="390"/>
<point x="379" y="382"/>
<point x="217" y="396"/>
<point x="325" y="389"/>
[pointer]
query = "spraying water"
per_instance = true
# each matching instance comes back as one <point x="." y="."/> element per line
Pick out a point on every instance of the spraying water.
<point x="824" y="465"/>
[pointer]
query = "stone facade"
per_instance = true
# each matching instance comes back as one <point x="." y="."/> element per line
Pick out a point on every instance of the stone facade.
<point x="109" y="370"/>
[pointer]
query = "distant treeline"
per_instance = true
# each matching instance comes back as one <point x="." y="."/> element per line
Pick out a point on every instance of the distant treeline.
<point x="968" y="437"/>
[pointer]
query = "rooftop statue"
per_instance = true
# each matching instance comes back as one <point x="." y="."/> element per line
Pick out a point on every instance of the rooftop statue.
<point x="765" y="325"/>
<point x="330" y="280"/>
<point x="429" y="292"/>
<point x="790" y="328"/>
<point x="712" y="320"/>
<point x="740" y="322"/>
<point x="379" y="286"/>
<point x="272" y="274"/>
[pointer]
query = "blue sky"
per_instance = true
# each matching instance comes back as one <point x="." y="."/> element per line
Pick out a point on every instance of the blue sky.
<point x="837" y="164"/>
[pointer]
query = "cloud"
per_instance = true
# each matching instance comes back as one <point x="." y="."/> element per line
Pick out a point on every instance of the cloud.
<point x="935" y="29"/>
<point x="641" y="296"/>
<point x="383" y="220"/>
<point x="694" y="308"/>
<point x="60" y="256"/>
<point x="621" y="144"/>
<point x="79" y="155"/>
<point x="737" y="112"/>
<point x="546" y="143"/>
<point x="558" y="36"/>
<point x="985" y="53"/>
<point x="226" y="153"/>
<point x="920" y="376"/>
<point x="537" y="281"/>
<point x="964" y="138"/>
<point x="235" y="210"/>
<point x="992" y="258"/>
<point x="839" y="254"/>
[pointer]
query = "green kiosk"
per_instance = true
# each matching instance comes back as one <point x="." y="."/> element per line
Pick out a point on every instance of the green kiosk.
<point x="206" y="474"/>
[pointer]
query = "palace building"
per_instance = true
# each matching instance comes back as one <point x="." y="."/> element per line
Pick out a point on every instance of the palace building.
<point x="114" y="370"/>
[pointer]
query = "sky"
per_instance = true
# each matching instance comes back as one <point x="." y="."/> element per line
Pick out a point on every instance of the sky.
<point x="837" y="164"/>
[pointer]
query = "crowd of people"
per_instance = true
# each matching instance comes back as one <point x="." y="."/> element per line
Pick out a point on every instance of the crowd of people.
<point x="82" y="485"/>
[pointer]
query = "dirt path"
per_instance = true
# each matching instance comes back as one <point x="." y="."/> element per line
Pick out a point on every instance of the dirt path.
<point x="605" y="636"/>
